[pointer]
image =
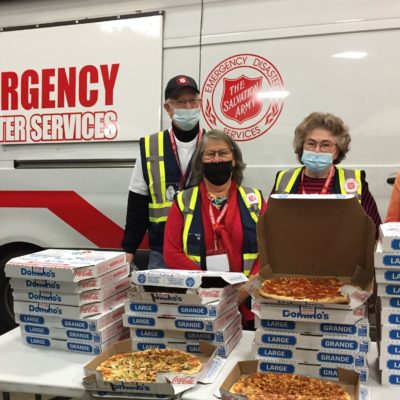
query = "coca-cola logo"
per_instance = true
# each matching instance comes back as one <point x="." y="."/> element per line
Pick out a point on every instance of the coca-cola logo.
<point x="209" y="293"/>
<point x="87" y="272"/>
<point x="183" y="380"/>
<point x="245" y="95"/>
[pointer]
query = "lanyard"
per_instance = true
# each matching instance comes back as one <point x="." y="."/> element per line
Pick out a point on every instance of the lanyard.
<point x="215" y="223"/>
<point x="183" y="179"/>
<point x="326" y="184"/>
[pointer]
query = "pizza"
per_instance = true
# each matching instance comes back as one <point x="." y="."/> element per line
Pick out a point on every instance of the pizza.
<point x="321" y="290"/>
<point x="143" y="366"/>
<point x="272" y="386"/>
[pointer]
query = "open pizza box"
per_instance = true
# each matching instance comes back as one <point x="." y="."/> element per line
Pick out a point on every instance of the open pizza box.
<point x="317" y="236"/>
<point x="183" y="286"/>
<point x="348" y="380"/>
<point x="166" y="384"/>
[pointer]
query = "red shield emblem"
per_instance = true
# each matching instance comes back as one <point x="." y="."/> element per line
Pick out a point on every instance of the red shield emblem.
<point x="239" y="100"/>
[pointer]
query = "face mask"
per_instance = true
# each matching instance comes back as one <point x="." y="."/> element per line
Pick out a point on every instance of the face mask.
<point x="218" y="173"/>
<point x="186" y="118"/>
<point x="316" y="162"/>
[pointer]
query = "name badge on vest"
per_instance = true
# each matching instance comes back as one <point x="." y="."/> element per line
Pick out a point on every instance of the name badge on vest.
<point x="218" y="262"/>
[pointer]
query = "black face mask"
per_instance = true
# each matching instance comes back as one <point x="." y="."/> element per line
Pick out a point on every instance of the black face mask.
<point x="218" y="173"/>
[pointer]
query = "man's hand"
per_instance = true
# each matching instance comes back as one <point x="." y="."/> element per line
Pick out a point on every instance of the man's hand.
<point x="129" y="258"/>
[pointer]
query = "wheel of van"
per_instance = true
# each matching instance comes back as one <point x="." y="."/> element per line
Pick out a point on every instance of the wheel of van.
<point x="7" y="320"/>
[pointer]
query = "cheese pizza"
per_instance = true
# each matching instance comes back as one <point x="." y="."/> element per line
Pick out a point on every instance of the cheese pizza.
<point x="143" y="366"/>
<point x="321" y="290"/>
<point x="271" y="386"/>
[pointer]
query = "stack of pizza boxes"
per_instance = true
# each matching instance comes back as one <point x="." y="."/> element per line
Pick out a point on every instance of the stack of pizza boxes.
<point x="177" y="309"/>
<point x="387" y="272"/>
<point x="317" y="236"/>
<point x="70" y="299"/>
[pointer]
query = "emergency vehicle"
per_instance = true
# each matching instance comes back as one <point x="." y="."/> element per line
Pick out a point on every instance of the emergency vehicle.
<point x="81" y="82"/>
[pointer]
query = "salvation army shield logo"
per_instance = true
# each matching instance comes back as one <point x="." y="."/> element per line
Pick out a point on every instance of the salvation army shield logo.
<point x="239" y="100"/>
<point x="243" y="95"/>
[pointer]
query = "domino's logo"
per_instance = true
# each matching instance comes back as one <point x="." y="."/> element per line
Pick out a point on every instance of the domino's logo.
<point x="141" y="278"/>
<point x="189" y="282"/>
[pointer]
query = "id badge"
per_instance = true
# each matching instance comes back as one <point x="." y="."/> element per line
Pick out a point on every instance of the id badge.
<point x="218" y="262"/>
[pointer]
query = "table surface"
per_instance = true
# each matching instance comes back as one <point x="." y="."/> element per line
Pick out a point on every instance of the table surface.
<point x="55" y="372"/>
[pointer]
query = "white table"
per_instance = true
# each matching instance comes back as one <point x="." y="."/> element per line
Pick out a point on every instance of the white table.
<point x="53" y="372"/>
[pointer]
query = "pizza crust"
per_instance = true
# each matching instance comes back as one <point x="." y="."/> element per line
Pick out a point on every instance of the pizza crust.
<point x="326" y="300"/>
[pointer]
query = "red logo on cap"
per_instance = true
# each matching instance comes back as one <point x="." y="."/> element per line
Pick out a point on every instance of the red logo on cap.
<point x="182" y="80"/>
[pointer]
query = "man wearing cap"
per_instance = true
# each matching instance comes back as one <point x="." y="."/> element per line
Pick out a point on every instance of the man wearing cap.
<point x="164" y="168"/>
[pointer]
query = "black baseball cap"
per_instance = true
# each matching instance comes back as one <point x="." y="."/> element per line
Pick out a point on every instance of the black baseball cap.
<point x="177" y="83"/>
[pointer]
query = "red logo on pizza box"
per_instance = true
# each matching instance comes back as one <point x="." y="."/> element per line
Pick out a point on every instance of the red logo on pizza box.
<point x="239" y="99"/>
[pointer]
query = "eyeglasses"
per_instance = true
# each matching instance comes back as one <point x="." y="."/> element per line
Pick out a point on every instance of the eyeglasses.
<point x="182" y="102"/>
<point x="223" y="154"/>
<point x="325" y="145"/>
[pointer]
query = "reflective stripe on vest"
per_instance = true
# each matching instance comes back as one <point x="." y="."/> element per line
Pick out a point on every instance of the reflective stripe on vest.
<point x="286" y="180"/>
<point x="187" y="201"/>
<point x="154" y="157"/>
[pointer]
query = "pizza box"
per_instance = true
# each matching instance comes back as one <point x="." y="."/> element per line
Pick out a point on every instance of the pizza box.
<point x="310" y="341"/>
<point x="389" y="362"/>
<point x="72" y="287"/>
<point x="223" y="349"/>
<point x="138" y="396"/>
<point x="181" y="323"/>
<point x="64" y="265"/>
<point x="389" y="378"/>
<point x="167" y="384"/>
<point x="386" y="259"/>
<point x="387" y="276"/>
<point x="391" y="332"/>
<point x="348" y="380"/>
<point x="335" y="357"/>
<point x="312" y="370"/>
<point x="76" y="312"/>
<point x="68" y="334"/>
<point x="359" y="329"/>
<point x="390" y="302"/>
<point x="308" y="313"/>
<point x="388" y="290"/>
<point x="221" y="336"/>
<point x="210" y="310"/>
<point x="390" y="316"/>
<point x="90" y="324"/>
<point x="73" y="299"/>
<point x="390" y="236"/>
<point x="325" y="234"/>
<point x="199" y="286"/>
<point x="71" y="345"/>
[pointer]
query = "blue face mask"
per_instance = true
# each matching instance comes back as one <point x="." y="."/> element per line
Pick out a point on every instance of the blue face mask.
<point x="316" y="162"/>
<point x="186" y="118"/>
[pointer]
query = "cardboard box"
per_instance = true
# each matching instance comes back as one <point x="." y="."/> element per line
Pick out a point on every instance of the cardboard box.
<point x="181" y="323"/>
<point x="390" y="316"/>
<point x="312" y="370"/>
<point x="190" y="287"/>
<point x="34" y="308"/>
<point x="73" y="299"/>
<point x="327" y="236"/>
<point x="386" y="290"/>
<point x="64" y="265"/>
<point x="167" y="384"/>
<point x="389" y="378"/>
<point x="387" y="276"/>
<point x="107" y="279"/>
<point x="68" y="334"/>
<point x="336" y="357"/>
<point x="90" y="324"/>
<point x="210" y="310"/>
<point x="390" y="236"/>
<point x="390" y="302"/>
<point x="221" y="336"/>
<point x="223" y="349"/>
<point x="391" y="332"/>
<point x="308" y="313"/>
<point x="71" y="345"/>
<point x="386" y="259"/>
<point x="391" y="363"/>
<point x="310" y="341"/>
<point x="359" y="329"/>
<point x="349" y="380"/>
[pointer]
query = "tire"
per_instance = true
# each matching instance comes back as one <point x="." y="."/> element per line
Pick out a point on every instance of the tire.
<point x="7" y="320"/>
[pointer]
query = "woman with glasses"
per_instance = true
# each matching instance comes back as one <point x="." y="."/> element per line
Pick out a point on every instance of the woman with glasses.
<point x="212" y="225"/>
<point x="321" y="142"/>
<point x="393" y="212"/>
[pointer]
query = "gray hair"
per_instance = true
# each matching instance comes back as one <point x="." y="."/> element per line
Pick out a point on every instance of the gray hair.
<point x="197" y="165"/>
<point x="327" y="121"/>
